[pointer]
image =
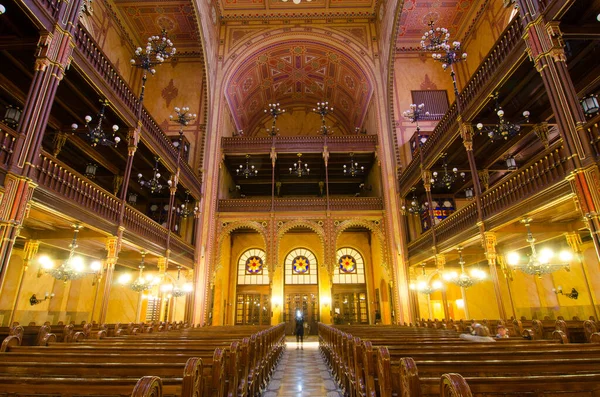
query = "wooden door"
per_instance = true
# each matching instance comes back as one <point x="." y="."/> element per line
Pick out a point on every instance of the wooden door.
<point x="301" y="301"/>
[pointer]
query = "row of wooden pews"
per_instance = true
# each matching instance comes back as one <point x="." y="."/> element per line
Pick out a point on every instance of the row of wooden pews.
<point x="389" y="361"/>
<point x="157" y="359"/>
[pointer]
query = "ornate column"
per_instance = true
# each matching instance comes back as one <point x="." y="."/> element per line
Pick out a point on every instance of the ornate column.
<point x="574" y="241"/>
<point x="545" y="47"/>
<point x="508" y="277"/>
<point x="29" y="251"/>
<point x="112" y="253"/>
<point x="491" y="255"/>
<point x="466" y="133"/>
<point x="426" y="176"/>
<point x="440" y="262"/>
<point x="414" y="295"/>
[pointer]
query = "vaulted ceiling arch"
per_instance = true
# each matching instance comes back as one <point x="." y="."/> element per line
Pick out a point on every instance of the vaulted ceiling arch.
<point x="297" y="73"/>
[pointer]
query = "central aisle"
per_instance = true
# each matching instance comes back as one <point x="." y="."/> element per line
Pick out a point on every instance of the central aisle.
<point x="302" y="372"/>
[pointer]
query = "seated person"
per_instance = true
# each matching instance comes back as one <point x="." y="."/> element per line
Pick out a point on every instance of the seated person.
<point x="502" y="332"/>
<point x="480" y="335"/>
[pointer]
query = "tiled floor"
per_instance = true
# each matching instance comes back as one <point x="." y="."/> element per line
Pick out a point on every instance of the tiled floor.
<point x="302" y="372"/>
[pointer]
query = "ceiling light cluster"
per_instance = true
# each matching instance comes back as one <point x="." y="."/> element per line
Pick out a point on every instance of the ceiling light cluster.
<point x="247" y="172"/>
<point x="158" y="49"/>
<point x="298" y="168"/>
<point x="425" y="286"/>
<point x="153" y="184"/>
<point x="353" y="169"/>
<point x="96" y="135"/>
<point x="464" y="279"/>
<point x="446" y="180"/>
<point x="504" y="129"/>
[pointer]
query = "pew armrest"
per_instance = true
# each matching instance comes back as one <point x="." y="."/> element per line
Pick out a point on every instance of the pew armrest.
<point x="561" y="336"/>
<point x="454" y="385"/>
<point x="410" y="385"/>
<point x="594" y="338"/>
<point x="148" y="386"/>
<point x="11" y="340"/>
<point x="193" y="381"/>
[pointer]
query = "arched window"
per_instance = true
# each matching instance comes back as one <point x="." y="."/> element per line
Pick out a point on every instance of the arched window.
<point x="251" y="268"/>
<point x="301" y="267"/>
<point x="350" y="267"/>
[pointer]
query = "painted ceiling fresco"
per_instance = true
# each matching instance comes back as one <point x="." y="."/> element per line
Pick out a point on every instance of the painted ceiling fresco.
<point x="416" y="15"/>
<point x="234" y="9"/>
<point x="147" y="18"/>
<point x="298" y="74"/>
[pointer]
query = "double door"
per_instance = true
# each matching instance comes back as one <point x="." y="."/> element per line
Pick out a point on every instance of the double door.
<point x="301" y="301"/>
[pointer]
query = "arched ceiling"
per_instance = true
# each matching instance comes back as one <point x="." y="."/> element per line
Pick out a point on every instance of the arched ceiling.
<point x="251" y="9"/>
<point x="298" y="74"/>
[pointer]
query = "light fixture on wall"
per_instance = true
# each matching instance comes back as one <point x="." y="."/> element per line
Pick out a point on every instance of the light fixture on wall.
<point x="423" y="285"/>
<point x="469" y="193"/>
<point x="511" y="163"/>
<point x="538" y="263"/>
<point x="96" y="134"/>
<point x="574" y="294"/>
<point x="182" y="117"/>
<point x="448" y="178"/>
<point x="589" y="104"/>
<point x="298" y="168"/>
<point x="12" y="115"/>
<point x="464" y="280"/>
<point x="132" y="198"/>
<point x="247" y="172"/>
<point x="323" y="109"/>
<point x="504" y="129"/>
<point x="90" y="170"/>
<point x="183" y="210"/>
<point x="35" y="301"/>
<point x="353" y="170"/>
<point x="73" y="267"/>
<point x="274" y="111"/>
<point x="153" y="184"/>
<point x="276" y="301"/>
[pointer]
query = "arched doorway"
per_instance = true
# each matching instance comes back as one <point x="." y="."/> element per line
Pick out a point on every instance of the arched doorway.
<point x="301" y="290"/>
<point x="252" y="305"/>
<point x="350" y="303"/>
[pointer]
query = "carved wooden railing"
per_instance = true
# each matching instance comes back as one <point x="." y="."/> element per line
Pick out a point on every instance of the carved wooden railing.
<point x="539" y="174"/>
<point x="67" y="183"/>
<point x="52" y="6"/>
<point x="479" y="87"/>
<point x="459" y="222"/>
<point x="181" y="249"/>
<point x="292" y="144"/>
<point x="302" y="204"/>
<point x="423" y="243"/>
<point x="9" y="137"/>
<point x="94" y="56"/>
<point x="593" y="132"/>
<point x="141" y="225"/>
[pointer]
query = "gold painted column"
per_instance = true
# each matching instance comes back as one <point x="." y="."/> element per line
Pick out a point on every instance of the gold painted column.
<point x="575" y="243"/>
<point x="491" y="255"/>
<point x="29" y="251"/>
<point x="112" y="255"/>
<point x="507" y="272"/>
<point x="440" y="263"/>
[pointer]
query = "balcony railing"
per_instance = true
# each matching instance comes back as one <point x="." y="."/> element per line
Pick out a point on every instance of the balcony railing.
<point x="9" y="137"/>
<point x="459" y="222"/>
<point x="507" y="47"/>
<point x="293" y="144"/>
<point x="181" y="249"/>
<point x="302" y="204"/>
<point x="68" y="184"/>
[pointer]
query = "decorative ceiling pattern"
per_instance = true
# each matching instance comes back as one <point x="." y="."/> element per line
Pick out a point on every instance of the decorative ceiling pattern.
<point x="147" y="18"/>
<point x="242" y="9"/>
<point x="298" y="74"/>
<point x="416" y="15"/>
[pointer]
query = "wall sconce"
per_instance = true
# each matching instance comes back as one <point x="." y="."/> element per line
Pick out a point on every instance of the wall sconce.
<point x="276" y="301"/>
<point x="590" y="105"/>
<point x="326" y="301"/>
<point x="13" y="113"/>
<point x="574" y="294"/>
<point x="511" y="163"/>
<point x="469" y="193"/>
<point x="34" y="300"/>
<point x="132" y="198"/>
<point x="90" y="170"/>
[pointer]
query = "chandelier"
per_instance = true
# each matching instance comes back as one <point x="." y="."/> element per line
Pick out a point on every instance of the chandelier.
<point x="539" y="263"/>
<point x="247" y="172"/>
<point x="274" y="110"/>
<point x="184" y="211"/>
<point x="323" y="110"/>
<point x="73" y="267"/>
<point x="158" y="49"/>
<point x="183" y="118"/>
<point x="423" y="285"/>
<point x="353" y="169"/>
<point x="179" y="287"/>
<point x="504" y="129"/>
<point x="141" y="283"/>
<point x="448" y="178"/>
<point x="415" y="113"/>
<point x="463" y="279"/>
<point x="153" y="184"/>
<point x="414" y="208"/>
<point x="96" y="135"/>
<point x="298" y="169"/>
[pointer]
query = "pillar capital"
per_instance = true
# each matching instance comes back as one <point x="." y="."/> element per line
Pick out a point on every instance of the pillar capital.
<point x="440" y="261"/>
<point x="426" y="177"/>
<point x="466" y="133"/>
<point x="29" y="251"/>
<point x="574" y="241"/>
<point x="162" y="264"/>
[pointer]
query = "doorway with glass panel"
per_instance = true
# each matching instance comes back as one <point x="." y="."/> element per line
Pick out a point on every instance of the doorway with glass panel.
<point x="349" y="291"/>
<point x="252" y="305"/>
<point x="301" y="291"/>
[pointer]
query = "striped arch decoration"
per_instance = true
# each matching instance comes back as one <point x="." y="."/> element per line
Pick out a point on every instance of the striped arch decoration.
<point x="287" y="226"/>
<point x="226" y="229"/>
<point x="375" y="227"/>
